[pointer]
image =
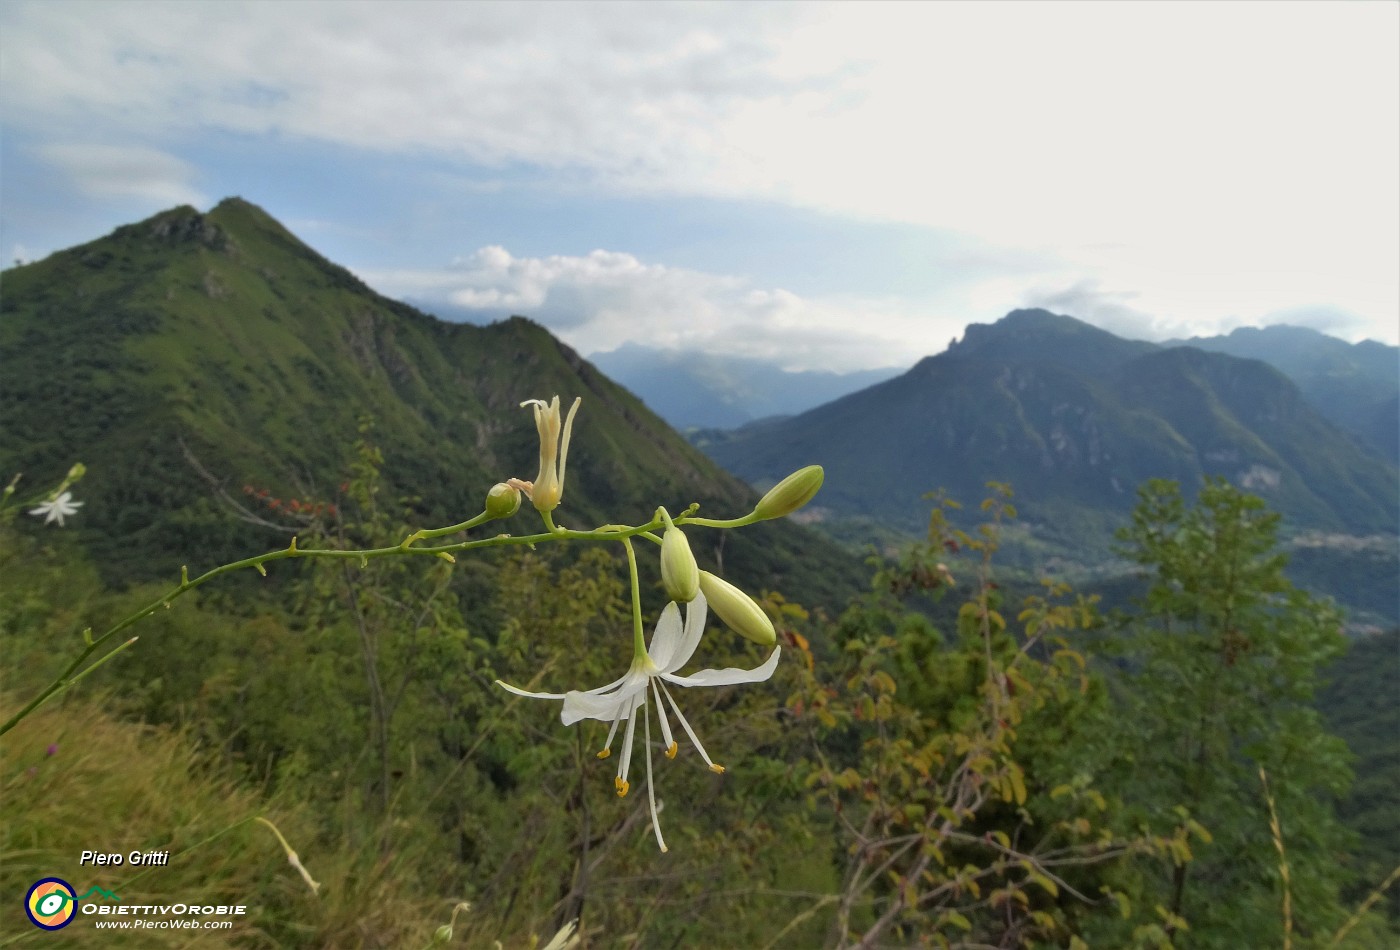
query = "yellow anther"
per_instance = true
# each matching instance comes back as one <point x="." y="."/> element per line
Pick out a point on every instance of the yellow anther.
<point x="623" y="788"/>
<point x="605" y="753"/>
<point x="718" y="769"/>
<point x="671" y="752"/>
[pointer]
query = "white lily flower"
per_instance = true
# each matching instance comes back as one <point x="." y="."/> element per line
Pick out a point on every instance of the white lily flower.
<point x="56" y="510"/>
<point x="672" y="645"/>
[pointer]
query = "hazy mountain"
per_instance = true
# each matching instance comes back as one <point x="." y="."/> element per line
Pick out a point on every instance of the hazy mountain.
<point x="220" y="338"/>
<point x="1075" y="419"/>
<point x="696" y="390"/>
<point x="1355" y="385"/>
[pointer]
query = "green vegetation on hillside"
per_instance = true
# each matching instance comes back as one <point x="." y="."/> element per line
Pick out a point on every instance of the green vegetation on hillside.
<point x="944" y="755"/>
<point x="190" y="355"/>
<point x="896" y="779"/>
<point x="1361" y="704"/>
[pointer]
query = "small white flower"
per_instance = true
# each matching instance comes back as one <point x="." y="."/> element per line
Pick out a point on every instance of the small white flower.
<point x="672" y="646"/>
<point x="56" y="510"/>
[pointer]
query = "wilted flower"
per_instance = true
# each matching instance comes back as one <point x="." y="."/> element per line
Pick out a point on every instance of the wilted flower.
<point x="547" y="489"/>
<point x="56" y="510"/>
<point x="672" y="646"/>
<point x="566" y="939"/>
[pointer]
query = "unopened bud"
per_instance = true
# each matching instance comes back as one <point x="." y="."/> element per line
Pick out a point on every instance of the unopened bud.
<point x="76" y="472"/>
<point x="791" y="493"/>
<point x="502" y="500"/>
<point x="442" y="935"/>
<point x="680" y="575"/>
<point x="738" y="610"/>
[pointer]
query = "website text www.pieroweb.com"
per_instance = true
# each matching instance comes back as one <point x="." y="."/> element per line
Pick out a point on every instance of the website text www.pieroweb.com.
<point x="52" y="903"/>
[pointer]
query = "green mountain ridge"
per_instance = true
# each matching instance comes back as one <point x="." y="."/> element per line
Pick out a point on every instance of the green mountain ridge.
<point x="221" y="341"/>
<point x="1356" y="386"/>
<point x="1075" y="419"/>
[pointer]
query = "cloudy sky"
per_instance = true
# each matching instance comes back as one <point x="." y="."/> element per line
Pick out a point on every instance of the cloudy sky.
<point x="833" y="186"/>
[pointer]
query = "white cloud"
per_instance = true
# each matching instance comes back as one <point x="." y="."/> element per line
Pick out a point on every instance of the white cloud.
<point x="1217" y="161"/>
<point x="1331" y="320"/>
<point x="106" y="171"/>
<point x="1106" y="309"/>
<point x="600" y="300"/>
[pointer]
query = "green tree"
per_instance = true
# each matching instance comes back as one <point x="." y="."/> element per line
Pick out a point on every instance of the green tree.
<point x="1223" y="656"/>
<point x="953" y="768"/>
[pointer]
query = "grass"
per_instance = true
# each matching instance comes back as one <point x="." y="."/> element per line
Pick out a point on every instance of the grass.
<point x="74" y="778"/>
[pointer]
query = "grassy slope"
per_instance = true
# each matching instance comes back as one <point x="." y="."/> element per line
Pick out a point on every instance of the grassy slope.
<point x="83" y="780"/>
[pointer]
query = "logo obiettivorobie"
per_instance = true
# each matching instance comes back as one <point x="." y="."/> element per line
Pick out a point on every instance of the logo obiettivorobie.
<point x="51" y="903"/>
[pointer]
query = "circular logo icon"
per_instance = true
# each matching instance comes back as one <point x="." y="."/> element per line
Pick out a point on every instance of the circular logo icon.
<point x="50" y="903"/>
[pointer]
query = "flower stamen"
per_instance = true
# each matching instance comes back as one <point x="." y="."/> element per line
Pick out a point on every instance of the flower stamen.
<point x="622" y="767"/>
<point x="612" y="731"/>
<point x="689" y="731"/>
<point x="671" y="746"/>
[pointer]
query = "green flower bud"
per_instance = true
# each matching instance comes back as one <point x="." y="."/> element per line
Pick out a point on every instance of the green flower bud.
<point x="442" y="935"/>
<point x="680" y="575"/>
<point x="502" y="500"/>
<point x="738" y="610"/>
<point x="791" y="493"/>
<point x="76" y="472"/>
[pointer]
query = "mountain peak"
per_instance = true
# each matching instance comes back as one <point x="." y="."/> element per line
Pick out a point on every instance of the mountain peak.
<point x="1037" y="316"/>
<point x="1039" y="335"/>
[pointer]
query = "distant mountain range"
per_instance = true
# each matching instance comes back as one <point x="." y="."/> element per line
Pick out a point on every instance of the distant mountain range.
<point x="221" y="339"/>
<point x="1354" y="385"/>
<point x="221" y="342"/>
<point x="1075" y="419"/>
<point x="697" y="390"/>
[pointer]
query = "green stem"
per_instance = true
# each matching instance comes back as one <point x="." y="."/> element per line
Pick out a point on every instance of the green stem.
<point x="746" y="520"/>
<point x="65" y="680"/>
<point x="639" y="645"/>
<point x="198" y="844"/>
<point x="424" y="533"/>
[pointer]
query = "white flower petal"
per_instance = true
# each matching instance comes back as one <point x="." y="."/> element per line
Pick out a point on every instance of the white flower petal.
<point x="729" y="676"/>
<point x="695" y="614"/>
<point x="527" y="694"/>
<point x="630" y="674"/>
<point x="667" y="636"/>
<point x="590" y="706"/>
